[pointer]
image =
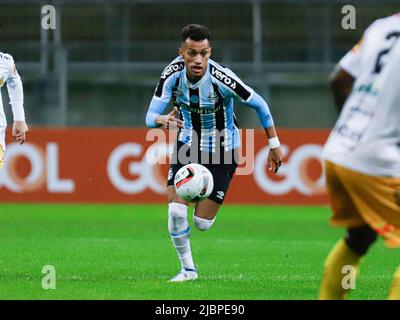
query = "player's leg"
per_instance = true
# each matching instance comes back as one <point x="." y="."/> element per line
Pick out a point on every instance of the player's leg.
<point x="359" y="239"/>
<point x="347" y="251"/>
<point x="205" y="211"/>
<point x="394" y="293"/>
<point x="204" y="214"/>
<point x="178" y="225"/>
<point x="179" y="231"/>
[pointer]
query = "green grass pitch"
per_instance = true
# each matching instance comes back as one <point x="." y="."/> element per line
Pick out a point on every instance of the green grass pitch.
<point x="124" y="252"/>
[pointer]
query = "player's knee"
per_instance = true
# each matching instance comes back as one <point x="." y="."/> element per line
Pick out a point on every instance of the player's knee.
<point x="360" y="239"/>
<point x="202" y="224"/>
<point x="177" y="215"/>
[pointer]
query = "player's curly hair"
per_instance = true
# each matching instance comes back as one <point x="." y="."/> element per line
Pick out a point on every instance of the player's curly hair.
<point x="195" y="32"/>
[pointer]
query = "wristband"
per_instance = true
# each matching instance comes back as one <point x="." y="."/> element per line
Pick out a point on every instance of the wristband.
<point x="273" y="143"/>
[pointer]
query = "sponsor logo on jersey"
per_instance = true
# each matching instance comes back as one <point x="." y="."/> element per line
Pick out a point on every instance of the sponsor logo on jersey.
<point x="168" y="71"/>
<point x="200" y="110"/>
<point x="171" y="69"/>
<point x="367" y="88"/>
<point x="230" y="82"/>
<point x="223" y="77"/>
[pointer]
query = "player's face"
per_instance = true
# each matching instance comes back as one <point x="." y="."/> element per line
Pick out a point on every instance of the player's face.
<point x="195" y="55"/>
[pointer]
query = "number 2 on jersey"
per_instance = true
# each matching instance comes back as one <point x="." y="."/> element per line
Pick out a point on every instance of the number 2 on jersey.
<point x="379" y="63"/>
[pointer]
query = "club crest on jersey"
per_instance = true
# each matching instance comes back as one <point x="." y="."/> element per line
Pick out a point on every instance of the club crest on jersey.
<point x="213" y="97"/>
<point x="223" y="77"/>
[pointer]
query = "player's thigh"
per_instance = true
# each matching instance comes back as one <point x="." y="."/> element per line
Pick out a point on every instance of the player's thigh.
<point x="222" y="175"/>
<point x="206" y="209"/>
<point x="173" y="197"/>
<point x="171" y="192"/>
<point x="375" y="198"/>
<point x="345" y="213"/>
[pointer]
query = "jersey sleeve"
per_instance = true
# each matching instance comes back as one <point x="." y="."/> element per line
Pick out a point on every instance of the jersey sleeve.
<point x="230" y="84"/>
<point x="351" y="62"/>
<point x="163" y="93"/>
<point x="167" y="81"/>
<point x="156" y="108"/>
<point x="260" y="105"/>
<point x="15" y="89"/>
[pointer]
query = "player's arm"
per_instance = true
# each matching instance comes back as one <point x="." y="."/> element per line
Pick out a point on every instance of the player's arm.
<point x="256" y="102"/>
<point x="160" y="101"/>
<point x="341" y="83"/>
<point x="156" y="119"/>
<point x="346" y="71"/>
<point x="275" y="155"/>
<point x="16" y="95"/>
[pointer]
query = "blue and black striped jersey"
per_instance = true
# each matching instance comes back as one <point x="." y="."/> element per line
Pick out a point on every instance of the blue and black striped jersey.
<point x="206" y="107"/>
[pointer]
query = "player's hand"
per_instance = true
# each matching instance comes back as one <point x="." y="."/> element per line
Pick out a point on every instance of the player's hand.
<point x="19" y="131"/>
<point x="275" y="158"/>
<point x="170" y="121"/>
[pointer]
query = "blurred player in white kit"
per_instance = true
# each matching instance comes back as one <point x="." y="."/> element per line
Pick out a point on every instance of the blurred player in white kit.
<point x="10" y="76"/>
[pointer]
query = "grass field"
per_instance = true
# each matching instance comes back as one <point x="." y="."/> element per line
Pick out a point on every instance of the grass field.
<point x="124" y="252"/>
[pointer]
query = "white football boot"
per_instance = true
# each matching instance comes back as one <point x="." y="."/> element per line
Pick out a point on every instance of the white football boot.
<point x="185" y="275"/>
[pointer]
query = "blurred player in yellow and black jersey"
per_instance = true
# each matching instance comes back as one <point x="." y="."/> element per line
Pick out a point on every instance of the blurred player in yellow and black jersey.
<point x="362" y="154"/>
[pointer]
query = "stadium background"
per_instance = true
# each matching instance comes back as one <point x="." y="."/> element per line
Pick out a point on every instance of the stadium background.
<point x="87" y="86"/>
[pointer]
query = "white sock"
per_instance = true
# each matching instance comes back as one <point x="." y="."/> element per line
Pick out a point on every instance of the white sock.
<point x="202" y="224"/>
<point x="179" y="230"/>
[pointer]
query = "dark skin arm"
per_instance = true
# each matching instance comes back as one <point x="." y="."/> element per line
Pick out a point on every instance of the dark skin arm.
<point x="341" y="83"/>
<point x="275" y="156"/>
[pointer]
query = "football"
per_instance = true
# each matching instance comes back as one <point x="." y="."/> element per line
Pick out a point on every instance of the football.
<point x="193" y="182"/>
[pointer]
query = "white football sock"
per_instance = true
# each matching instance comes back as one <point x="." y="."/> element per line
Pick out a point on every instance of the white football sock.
<point x="201" y="223"/>
<point x="179" y="230"/>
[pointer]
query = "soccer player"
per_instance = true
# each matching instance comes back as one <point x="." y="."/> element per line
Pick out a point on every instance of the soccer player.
<point x="9" y="75"/>
<point x="362" y="154"/>
<point x="203" y="92"/>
